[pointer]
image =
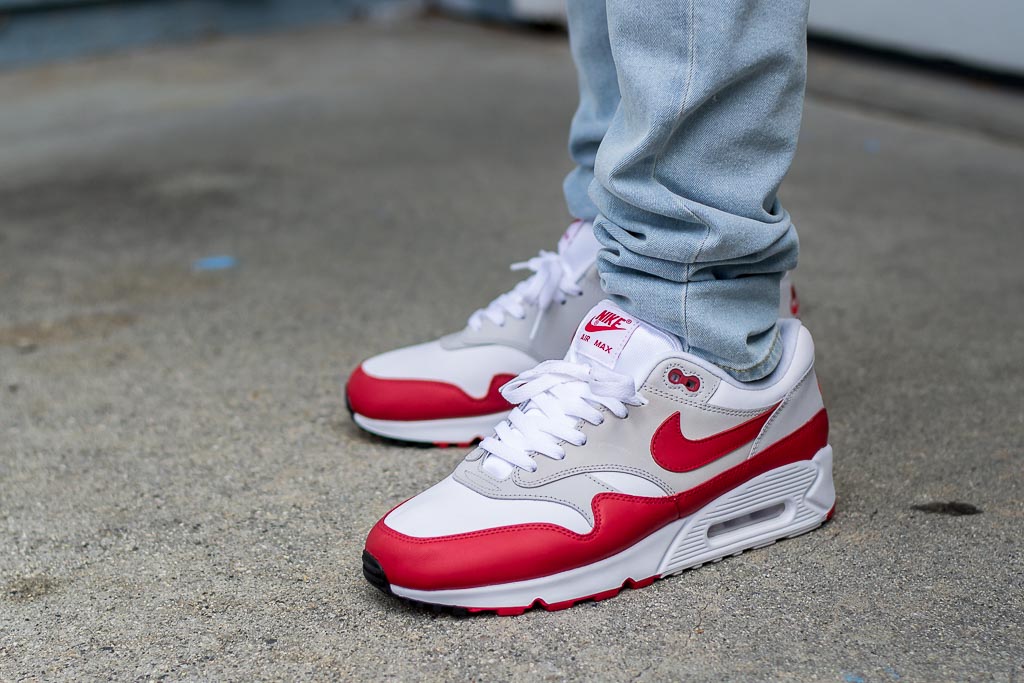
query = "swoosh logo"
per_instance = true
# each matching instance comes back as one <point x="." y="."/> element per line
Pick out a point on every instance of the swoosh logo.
<point x="673" y="451"/>
<point x="591" y="327"/>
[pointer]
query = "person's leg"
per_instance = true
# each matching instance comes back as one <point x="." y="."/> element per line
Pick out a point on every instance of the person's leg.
<point x="568" y="500"/>
<point x="686" y="177"/>
<point x="599" y="99"/>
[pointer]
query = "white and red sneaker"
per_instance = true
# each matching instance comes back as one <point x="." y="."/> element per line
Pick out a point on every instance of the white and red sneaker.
<point x="626" y="462"/>
<point x="446" y="392"/>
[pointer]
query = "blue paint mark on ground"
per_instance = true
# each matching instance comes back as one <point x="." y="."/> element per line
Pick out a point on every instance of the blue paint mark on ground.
<point x="853" y="678"/>
<point x="214" y="263"/>
<point x="892" y="673"/>
<point x="872" y="146"/>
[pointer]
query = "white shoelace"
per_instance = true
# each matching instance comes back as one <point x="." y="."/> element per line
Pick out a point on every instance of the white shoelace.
<point x="551" y="399"/>
<point x="552" y="280"/>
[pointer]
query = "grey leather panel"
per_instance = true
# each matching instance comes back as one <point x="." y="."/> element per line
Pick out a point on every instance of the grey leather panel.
<point x="555" y="332"/>
<point x="622" y="445"/>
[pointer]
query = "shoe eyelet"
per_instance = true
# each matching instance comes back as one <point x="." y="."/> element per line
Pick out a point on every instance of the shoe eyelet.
<point x="689" y="382"/>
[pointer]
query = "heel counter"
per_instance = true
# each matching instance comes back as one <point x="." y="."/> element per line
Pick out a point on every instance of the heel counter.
<point x="814" y="386"/>
<point x="821" y="403"/>
<point x="801" y="405"/>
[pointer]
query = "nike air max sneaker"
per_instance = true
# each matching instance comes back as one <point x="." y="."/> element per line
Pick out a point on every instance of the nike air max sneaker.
<point x="628" y="461"/>
<point x="446" y="392"/>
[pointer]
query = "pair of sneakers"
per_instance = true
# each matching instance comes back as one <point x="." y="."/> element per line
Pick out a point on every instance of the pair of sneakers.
<point x="625" y="460"/>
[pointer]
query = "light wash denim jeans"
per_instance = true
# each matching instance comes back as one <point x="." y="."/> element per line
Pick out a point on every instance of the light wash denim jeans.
<point x="688" y="120"/>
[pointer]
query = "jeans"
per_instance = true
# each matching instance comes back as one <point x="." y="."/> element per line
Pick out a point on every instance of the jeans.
<point x="688" y="120"/>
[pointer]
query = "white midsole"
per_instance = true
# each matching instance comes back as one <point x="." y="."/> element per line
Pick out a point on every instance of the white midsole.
<point x="453" y="430"/>
<point x="803" y="489"/>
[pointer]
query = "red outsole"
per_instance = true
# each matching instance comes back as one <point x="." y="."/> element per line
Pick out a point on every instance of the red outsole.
<point x="456" y="444"/>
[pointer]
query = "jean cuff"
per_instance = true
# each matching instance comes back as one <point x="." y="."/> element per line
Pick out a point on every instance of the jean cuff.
<point x="761" y="368"/>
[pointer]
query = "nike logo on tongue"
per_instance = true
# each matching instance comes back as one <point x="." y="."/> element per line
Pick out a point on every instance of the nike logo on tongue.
<point x="604" y="333"/>
<point x="605" y="321"/>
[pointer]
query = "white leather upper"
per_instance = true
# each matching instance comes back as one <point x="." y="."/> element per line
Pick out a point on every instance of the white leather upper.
<point x="630" y="484"/>
<point x="797" y="359"/>
<point x="471" y="358"/>
<point x="451" y="508"/>
<point x="799" y="406"/>
<point x="578" y="247"/>
<point x="616" y="454"/>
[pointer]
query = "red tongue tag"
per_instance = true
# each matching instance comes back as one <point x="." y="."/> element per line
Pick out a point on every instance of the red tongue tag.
<point x="604" y="333"/>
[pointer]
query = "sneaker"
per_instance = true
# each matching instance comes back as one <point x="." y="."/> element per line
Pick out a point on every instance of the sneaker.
<point x="447" y="392"/>
<point x="627" y="462"/>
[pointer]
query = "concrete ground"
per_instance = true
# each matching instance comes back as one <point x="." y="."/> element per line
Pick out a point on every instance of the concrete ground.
<point x="183" y="496"/>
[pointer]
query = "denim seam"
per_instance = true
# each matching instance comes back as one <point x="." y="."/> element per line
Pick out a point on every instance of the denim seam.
<point x="686" y="285"/>
<point x="690" y="59"/>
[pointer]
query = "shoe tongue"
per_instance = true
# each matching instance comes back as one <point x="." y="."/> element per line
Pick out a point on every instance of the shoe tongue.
<point x="612" y="338"/>
<point x="578" y="247"/>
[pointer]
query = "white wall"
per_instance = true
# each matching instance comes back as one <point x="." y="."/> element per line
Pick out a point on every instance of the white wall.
<point x="984" y="33"/>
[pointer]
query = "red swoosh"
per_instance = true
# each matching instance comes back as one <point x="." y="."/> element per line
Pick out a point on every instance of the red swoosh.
<point x="673" y="451"/>
<point x="591" y="327"/>
<point x="527" y="551"/>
